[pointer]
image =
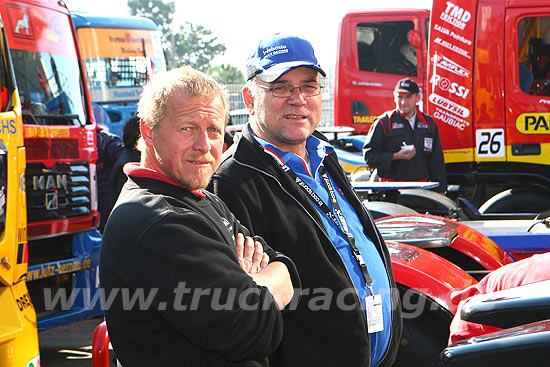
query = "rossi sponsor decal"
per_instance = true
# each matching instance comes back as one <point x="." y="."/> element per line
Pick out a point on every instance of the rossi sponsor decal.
<point x="456" y="16"/>
<point x="448" y="105"/>
<point x="533" y="123"/>
<point x="451" y="87"/>
<point x="447" y="64"/>
<point x="450" y="46"/>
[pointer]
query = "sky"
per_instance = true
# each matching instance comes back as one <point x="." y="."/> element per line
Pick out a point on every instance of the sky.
<point x="241" y="27"/>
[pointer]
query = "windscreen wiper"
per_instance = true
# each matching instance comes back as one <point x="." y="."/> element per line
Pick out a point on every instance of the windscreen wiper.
<point x="51" y="119"/>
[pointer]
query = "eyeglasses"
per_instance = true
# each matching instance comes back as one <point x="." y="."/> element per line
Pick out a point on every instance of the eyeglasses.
<point x="285" y="90"/>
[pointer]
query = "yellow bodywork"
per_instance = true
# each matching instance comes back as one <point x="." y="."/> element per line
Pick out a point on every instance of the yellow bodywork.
<point x="18" y="329"/>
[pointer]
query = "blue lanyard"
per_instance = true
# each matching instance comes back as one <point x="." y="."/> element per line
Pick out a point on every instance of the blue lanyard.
<point x="338" y="219"/>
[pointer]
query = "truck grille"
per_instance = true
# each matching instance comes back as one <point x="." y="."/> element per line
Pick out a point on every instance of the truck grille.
<point x="58" y="192"/>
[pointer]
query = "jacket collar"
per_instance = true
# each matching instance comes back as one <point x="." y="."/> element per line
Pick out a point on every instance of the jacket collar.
<point x="136" y="170"/>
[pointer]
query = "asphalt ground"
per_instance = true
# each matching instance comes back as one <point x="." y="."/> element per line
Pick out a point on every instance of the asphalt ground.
<point x="69" y="345"/>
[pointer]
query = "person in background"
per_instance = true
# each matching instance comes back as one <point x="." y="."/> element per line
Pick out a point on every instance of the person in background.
<point x="109" y="148"/>
<point x="130" y="136"/>
<point x="215" y="293"/>
<point x="404" y="144"/>
<point x="282" y="180"/>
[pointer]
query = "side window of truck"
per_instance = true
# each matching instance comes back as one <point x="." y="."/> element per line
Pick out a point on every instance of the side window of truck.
<point x="534" y="55"/>
<point x="383" y="47"/>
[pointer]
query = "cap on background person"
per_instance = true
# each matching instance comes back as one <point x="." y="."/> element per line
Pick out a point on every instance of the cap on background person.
<point x="278" y="54"/>
<point x="407" y="85"/>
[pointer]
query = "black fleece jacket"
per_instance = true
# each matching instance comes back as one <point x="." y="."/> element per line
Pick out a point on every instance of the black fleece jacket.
<point x="161" y="238"/>
<point x="270" y="203"/>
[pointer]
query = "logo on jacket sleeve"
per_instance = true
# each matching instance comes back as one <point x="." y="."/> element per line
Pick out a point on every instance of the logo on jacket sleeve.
<point x="229" y="227"/>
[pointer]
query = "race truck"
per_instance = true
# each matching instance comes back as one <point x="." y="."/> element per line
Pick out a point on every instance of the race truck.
<point x="59" y="137"/>
<point x="121" y="54"/>
<point x="18" y="333"/>
<point x="483" y="67"/>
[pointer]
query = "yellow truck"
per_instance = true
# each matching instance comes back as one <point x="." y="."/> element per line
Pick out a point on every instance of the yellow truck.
<point x="18" y="328"/>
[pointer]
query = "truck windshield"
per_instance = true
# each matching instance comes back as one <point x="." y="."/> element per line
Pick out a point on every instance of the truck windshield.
<point x="119" y="62"/>
<point x="49" y="87"/>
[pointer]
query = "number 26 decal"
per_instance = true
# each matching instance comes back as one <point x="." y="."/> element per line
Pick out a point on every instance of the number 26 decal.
<point x="490" y="143"/>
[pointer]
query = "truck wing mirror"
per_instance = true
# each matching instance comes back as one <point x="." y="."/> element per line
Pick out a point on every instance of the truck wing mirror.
<point x="414" y="38"/>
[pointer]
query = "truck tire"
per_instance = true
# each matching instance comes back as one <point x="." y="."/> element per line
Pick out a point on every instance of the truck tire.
<point x="424" y="336"/>
<point x="380" y="209"/>
<point x="519" y="200"/>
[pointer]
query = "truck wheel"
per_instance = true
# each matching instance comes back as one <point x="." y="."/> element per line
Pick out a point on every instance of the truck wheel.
<point x="425" y="335"/>
<point x="380" y="209"/>
<point x="520" y="200"/>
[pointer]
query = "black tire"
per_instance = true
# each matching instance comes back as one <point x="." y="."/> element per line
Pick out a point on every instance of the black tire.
<point x="519" y="200"/>
<point x="424" y="336"/>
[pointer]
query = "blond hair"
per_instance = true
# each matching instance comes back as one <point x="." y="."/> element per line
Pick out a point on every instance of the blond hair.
<point x="153" y="99"/>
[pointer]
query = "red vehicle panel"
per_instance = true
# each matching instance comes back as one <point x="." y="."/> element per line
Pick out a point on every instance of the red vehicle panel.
<point x="427" y="273"/>
<point x="367" y="72"/>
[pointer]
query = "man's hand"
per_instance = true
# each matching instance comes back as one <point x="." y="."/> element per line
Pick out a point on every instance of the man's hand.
<point x="404" y="154"/>
<point x="255" y="262"/>
<point x="250" y="253"/>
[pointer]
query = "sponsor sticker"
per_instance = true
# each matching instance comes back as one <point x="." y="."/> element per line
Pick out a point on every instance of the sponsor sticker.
<point x="454" y="48"/>
<point x="449" y="105"/>
<point x="456" y="16"/>
<point x="451" y="66"/>
<point x="428" y="144"/>
<point x="451" y="87"/>
<point x="450" y="119"/>
<point x="533" y="123"/>
<point x="366" y="84"/>
<point x="363" y="119"/>
<point x="452" y="34"/>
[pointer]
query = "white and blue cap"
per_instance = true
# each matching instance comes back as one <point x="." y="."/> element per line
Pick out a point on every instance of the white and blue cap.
<point x="278" y="54"/>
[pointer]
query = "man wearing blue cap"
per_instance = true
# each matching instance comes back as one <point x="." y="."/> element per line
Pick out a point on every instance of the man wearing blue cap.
<point x="283" y="181"/>
<point x="404" y="144"/>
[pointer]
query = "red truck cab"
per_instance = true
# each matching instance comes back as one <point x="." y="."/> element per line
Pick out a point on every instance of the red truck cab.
<point x="375" y="51"/>
<point x="483" y="67"/>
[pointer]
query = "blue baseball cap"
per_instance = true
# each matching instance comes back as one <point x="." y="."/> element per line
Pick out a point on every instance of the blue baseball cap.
<point x="279" y="53"/>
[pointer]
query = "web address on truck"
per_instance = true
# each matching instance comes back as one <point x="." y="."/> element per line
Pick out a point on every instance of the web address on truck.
<point x="58" y="267"/>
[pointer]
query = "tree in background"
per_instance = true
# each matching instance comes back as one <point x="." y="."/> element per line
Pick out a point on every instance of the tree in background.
<point x="226" y="74"/>
<point x="196" y="46"/>
<point x="191" y="45"/>
<point x="161" y="12"/>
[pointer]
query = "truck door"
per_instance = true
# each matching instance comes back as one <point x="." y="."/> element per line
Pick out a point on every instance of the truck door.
<point x="375" y="51"/>
<point x="527" y="89"/>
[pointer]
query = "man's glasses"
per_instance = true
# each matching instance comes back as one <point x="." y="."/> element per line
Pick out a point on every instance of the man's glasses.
<point x="285" y="90"/>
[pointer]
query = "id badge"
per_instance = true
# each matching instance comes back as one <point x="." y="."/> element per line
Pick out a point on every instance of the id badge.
<point x="428" y="144"/>
<point x="375" y="317"/>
